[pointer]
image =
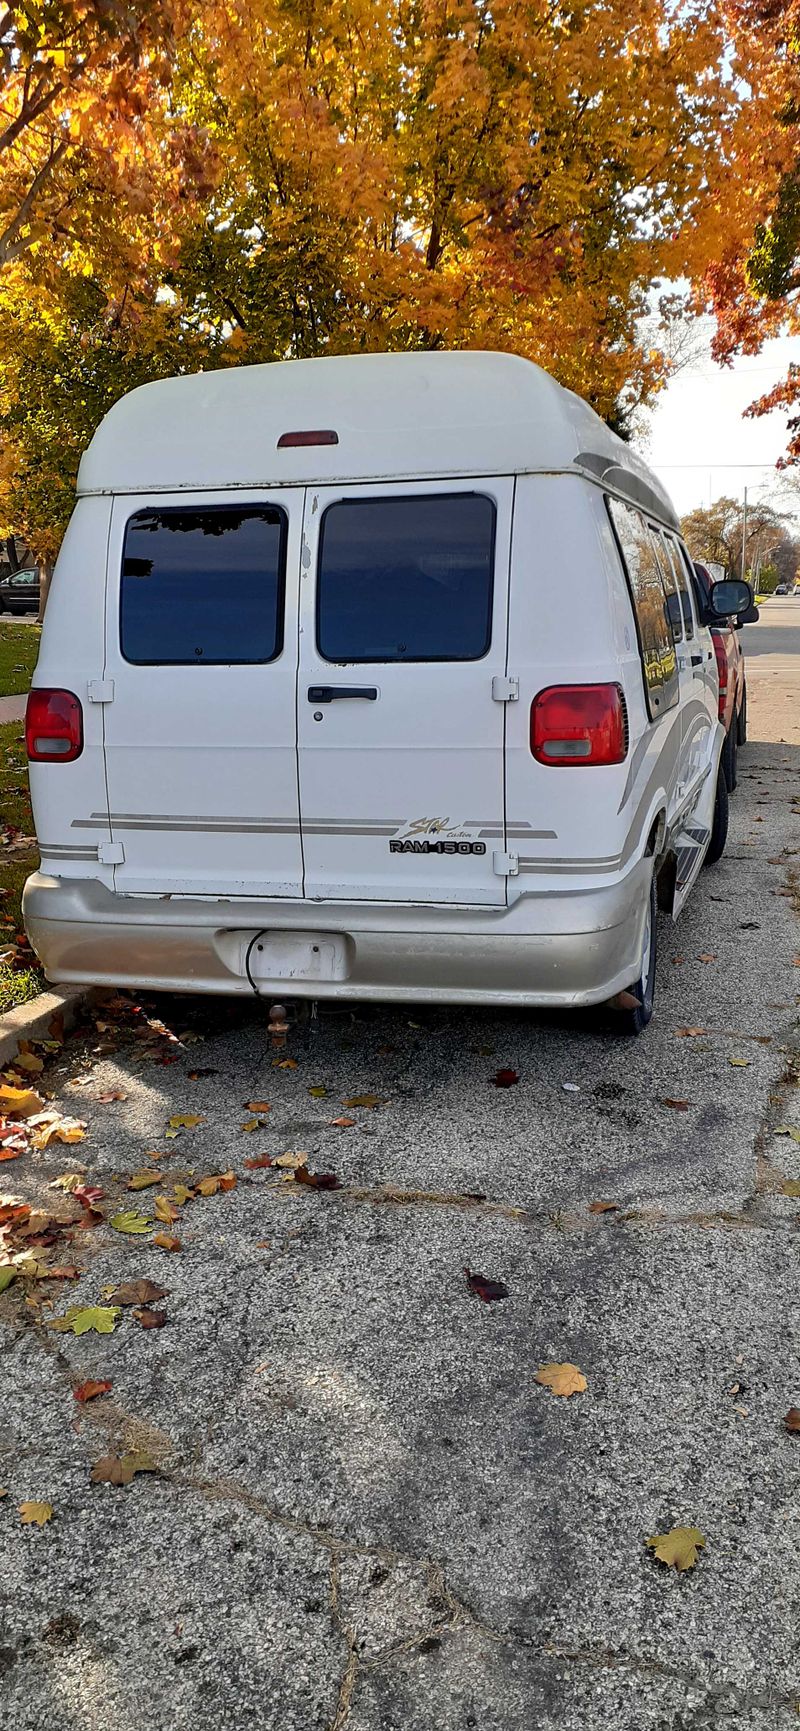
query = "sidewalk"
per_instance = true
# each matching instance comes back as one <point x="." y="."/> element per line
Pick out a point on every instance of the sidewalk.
<point x="12" y="709"/>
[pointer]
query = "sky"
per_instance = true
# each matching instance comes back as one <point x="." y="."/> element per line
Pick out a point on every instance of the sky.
<point x="697" y="440"/>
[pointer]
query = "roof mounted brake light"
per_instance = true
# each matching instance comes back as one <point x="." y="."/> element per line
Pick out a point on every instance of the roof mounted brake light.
<point x="317" y="436"/>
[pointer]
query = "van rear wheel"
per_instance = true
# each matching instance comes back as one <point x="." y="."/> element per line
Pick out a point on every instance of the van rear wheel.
<point x="729" y="757"/>
<point x="634" y="1020"/>
<point x="719" y="827"/>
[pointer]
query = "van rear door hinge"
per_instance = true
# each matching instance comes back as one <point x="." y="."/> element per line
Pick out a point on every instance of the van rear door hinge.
<point x="110" y="853"/>
<point x="100" y="691"/>
<point x="505" y="865"/>
<point x="505" y="690"/>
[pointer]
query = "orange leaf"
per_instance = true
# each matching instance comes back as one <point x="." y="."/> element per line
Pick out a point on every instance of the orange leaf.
<point x="90" y="1390"/>
<point x="562" y="1379"/>
<point x="166" y="1241"/>
<point x="257" y="1106"/>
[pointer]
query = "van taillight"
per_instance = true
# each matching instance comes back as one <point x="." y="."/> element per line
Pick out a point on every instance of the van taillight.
<point x="579" y="724"/>
<point x="722" y="669"/>
<point x="53" y="726"/>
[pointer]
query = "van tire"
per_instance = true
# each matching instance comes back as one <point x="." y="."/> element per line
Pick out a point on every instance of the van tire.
<point x="634" y="1021"/>
<point x="719" y="827"/>
<point x="729" y="756"/>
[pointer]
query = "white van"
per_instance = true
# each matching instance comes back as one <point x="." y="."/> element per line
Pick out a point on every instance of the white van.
<point x="372" y="677"/>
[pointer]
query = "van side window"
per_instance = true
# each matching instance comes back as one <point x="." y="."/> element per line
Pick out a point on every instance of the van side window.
<point x="670" y="582"/>
<point x="203" y="585"/>
<point x="682" y="575"/>
<point x="656" y="642"/>
<point x="406" y="579"/>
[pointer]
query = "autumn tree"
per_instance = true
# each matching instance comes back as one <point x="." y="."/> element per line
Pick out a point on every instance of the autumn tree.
<point x="716" y="534"/>
<point x="346" y="177"/>
<point x="754" y="285"/>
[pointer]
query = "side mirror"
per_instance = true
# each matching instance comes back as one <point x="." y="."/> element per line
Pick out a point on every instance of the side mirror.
<point x="749" y="617"/>
<point x="729" y="597"/>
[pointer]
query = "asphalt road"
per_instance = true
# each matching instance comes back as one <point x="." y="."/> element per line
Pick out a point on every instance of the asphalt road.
<point x="364" y="1511"/>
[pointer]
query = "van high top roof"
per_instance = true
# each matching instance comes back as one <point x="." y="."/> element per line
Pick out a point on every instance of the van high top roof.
<point x="417" y="415"/>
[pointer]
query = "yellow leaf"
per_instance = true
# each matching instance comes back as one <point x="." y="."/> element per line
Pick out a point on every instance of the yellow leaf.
<point x="251" y="1124"/>
<point x="678" y="1548"/>
<point x="367" y="1100"/>
<point x="35" y="1514"/>
<point x="141" y="1180"/>
<point x="790" y="1187"/>
<point x="788" y="1130"/>
<point x="19" y="1102"/>
<point x="185" y="1121"/>
<point x="284" y="1064"/>
<point x="216" y="1181"/>
<point x="563" y="1379"/>
<point x="182" y="1193"/>
<point x="28" y="1061"/>
<point x="165" y="1210"/>
<point x="739" y="1063"/>
<point x="291" y="1161"/>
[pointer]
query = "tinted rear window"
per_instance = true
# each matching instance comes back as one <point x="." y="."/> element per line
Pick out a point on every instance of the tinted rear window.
<point x="203" y="586"/>
<point x="406" y="579"/>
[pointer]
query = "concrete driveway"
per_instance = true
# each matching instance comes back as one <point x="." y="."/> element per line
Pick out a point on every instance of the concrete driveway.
<point x="361" y="1508"/>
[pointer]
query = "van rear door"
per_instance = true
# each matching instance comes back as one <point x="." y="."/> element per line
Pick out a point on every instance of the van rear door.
<point x="199" y="693"/>
<point x="401" y="691"/>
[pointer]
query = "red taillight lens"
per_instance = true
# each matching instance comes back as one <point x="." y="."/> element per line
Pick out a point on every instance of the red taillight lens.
<point x="309" y="436"/>
<point x="575" y="725"/>
<point x="722" y="669"/>
<point x="53" y="726"/>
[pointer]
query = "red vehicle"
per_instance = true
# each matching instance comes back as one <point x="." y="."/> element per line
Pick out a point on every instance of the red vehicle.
<point x="732" y="683"/>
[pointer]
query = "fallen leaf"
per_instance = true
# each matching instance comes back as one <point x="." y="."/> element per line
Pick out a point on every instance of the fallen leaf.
<point x="677" y="1105"/>
<point x="369" y="1101"/>
<point x="688" y="1033"/>
<point x="185" y="1121"/>
<point x="603" y="1207"/>
<point x="285" y="1064"/>
<point x="88" y="1195"/>
<point x="10" y="1153"/>
<point x="165" y="1210"/>
<point x="488" y="1290"/>
<point x="316" y="1180"/>
<point x="60" y="1273"/>
<point x="706" y="958"/>
<point x="26" y="1060"/>
<point x="138" y="1292"/>
<point x="258" y="1162"/>
<point x="120" y="1469"/>
<point x="291" y="1161"/>
<point x="790" y="1187"/>
<point x="194" y="1075"/>
<point x="792" y="1419"/>
<point x="51" y="1127"/>
<point x="342" y="1123"/>
<point x="150" y="1318"/>
<point x="90" y="1390"/>
<point x="19" y="1102"/>
<point x="111" y="1094"/>
<point x="95" y="1318"/>
<point x="250" y="1124"/>
<point x="142" y="1180"/>
<point x="166" y="1241"/>
<point x="318" y="1093"/>
<point x="788" y="1130"/>
<point x="182" y="1194"/>
<point x="214" y="1182"/>
<point x="504" y="1079"/>
<point x="68" y="1181"/>
<point x="739" y="1063"/>
<point x="35" y="1514"/>
<point x="678" y="1548"/>
<point x="7" y="1274"/>
<point x="561" y="1379"/>
<point x="128" y="1221"/>
<point x="257" y="1106"/>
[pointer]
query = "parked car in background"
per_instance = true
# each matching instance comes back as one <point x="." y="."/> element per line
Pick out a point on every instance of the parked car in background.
<point x="732" y="681"/>
<point x="781" y="589"/>
<point x="19" y="592"/>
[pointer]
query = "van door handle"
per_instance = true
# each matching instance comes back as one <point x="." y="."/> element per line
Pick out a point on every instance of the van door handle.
<point x="331" y="693"/>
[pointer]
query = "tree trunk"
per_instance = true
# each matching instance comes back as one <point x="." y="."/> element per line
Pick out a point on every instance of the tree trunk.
<point x="45" y="574"/>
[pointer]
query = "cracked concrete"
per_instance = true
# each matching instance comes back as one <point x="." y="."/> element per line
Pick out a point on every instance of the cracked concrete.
<point x="364" y="1514"/>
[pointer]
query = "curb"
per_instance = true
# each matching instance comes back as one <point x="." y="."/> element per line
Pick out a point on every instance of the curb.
<point x="32" y="1021"/>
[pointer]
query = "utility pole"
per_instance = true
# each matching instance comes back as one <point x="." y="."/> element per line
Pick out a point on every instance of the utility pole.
<point x="744" y="529"/>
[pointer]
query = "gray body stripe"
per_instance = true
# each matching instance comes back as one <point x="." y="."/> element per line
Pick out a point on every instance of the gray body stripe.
<point x="55" y="850"/>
